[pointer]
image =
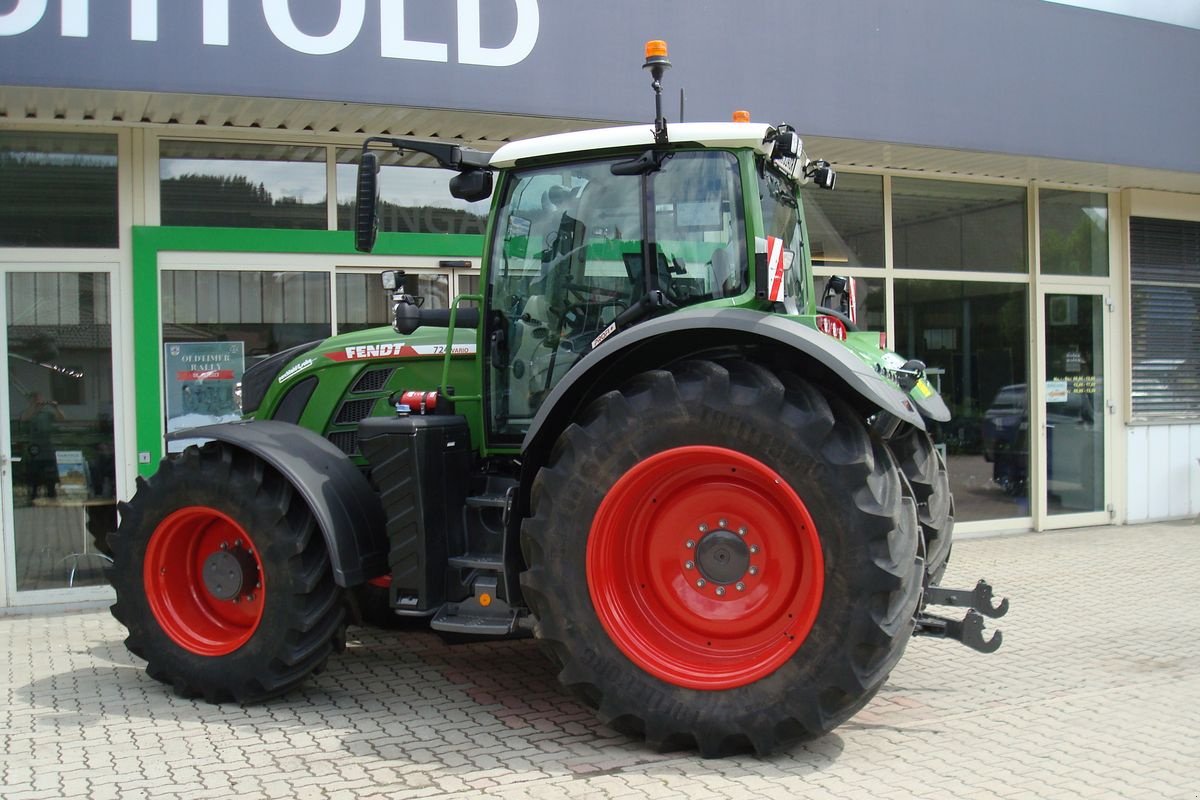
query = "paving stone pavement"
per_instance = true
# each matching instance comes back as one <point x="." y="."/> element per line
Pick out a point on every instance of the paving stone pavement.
<point x="1095" y="693"/>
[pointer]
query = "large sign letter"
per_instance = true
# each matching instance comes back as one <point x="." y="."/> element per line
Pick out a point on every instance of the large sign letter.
<point x="143" y="20"/>
<point x="216" y="22"/>
<point x="471" y="51"/>
<point x="350" y="22"/>
<point x="24" y="16"/>
<point x="74" y="18"/>
<point x="392" y="41"/>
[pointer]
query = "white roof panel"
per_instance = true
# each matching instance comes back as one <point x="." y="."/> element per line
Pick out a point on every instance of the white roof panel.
<point x="710" y="134"/>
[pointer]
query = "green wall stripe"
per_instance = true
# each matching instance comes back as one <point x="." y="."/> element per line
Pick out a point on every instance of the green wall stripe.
<point x="148" y="242"/>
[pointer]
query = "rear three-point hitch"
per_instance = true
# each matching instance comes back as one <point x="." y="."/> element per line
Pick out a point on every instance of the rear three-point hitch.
<point x="968" y="630"/>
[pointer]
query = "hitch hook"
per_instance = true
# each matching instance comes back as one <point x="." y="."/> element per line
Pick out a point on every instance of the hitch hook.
<point x="968" y="631"/>
<point x="979" y="599"/>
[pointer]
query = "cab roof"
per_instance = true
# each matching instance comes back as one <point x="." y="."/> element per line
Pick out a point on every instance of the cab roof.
<point x="707" y="134"/>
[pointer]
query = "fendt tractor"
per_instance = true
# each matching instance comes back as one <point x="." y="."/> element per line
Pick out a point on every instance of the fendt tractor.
<point x="647" y="442"/>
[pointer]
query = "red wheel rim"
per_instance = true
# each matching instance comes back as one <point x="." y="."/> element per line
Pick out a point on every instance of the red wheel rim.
<point x="199" y="615"/>
<point x="705" y="567"/>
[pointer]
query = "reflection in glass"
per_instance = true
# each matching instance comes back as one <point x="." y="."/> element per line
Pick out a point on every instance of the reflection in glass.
<point x="953" y="225"/>
<point x="845" y="227"/>
<point x="61" y="426"/>
<point x="1074" y="232"/>
<point x="870" y="300"/>
<point x="974" y="339"/>
<point x="413" y="198"/>
<point x="363" y="303"/>
<point x="268" y="311"/>
<point x="228" y="184"/>
<point x="58" y="190"/>
<point x="1074" y="403"/>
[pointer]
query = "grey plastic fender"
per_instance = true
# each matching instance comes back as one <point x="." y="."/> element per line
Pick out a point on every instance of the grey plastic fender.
<point x="708" y="328"/>
<point x="346" y="508"/>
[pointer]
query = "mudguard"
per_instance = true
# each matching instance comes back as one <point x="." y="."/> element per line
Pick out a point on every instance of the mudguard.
<point x="711" y="328"/>
<point x="345" y="506"/>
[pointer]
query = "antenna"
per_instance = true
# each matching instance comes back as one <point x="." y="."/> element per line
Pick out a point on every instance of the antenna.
<point x="658" y="63"/>
<point x="681" y="104"/>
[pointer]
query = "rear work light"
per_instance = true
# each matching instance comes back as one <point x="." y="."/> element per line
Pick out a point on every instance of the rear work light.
<point x="831" y="326"/>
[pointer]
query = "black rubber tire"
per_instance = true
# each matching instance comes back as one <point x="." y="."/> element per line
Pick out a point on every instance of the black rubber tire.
<point x="101" y="521"/>
<point x="303" y="614"/>
<point x="925" y="470"/>
<point x="849" y="484"/>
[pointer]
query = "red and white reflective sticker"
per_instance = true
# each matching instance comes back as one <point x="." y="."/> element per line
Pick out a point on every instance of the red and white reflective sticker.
<point x="775" y="268"/>
<point x="363" y="352"/>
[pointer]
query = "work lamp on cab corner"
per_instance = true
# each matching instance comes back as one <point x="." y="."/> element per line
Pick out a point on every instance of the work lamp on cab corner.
<point x="645" y="439"/>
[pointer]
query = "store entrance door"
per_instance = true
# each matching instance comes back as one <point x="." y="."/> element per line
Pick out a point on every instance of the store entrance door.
<point x="1075" y="411"/>
<point x="58" y="472"/>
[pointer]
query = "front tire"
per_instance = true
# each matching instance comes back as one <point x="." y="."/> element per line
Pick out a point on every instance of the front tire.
<point x="722" y="558"/>
<point x="223" y="578"/>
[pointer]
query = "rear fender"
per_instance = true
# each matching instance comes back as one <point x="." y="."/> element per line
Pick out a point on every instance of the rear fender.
<point x="669" y="338"/>
<point x="345" y="506"/>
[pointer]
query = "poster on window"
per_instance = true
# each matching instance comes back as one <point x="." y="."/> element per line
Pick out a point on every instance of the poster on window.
<point x="201" y="384"/>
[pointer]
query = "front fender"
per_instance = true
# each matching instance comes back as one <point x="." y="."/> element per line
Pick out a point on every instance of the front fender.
<point x="345" y="506"/>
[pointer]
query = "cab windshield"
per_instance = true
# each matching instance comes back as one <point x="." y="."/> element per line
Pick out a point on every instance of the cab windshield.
<point x="568" y="253"/>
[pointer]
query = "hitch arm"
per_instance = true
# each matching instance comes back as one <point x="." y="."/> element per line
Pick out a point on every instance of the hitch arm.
<point x="979" y="598"/>
<point x="968" y="631"/>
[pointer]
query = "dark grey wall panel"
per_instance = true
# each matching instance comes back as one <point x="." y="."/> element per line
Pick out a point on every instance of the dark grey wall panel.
<point x="1011" y="76"/>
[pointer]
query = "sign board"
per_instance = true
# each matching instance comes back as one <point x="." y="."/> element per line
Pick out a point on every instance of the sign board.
<point x="201" y="381"/>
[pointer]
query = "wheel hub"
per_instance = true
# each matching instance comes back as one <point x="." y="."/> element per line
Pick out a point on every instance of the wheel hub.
<point x="230" y="572"/>
<point x="722" y="557"/>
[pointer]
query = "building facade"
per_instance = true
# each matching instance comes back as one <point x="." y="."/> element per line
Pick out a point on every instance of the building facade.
<point x="1018" y="197"/>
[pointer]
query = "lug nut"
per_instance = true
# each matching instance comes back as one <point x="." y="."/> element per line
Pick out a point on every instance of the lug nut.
<point x="753" y="570"/>
<point x="720" y="590"/>
<point x="689" y="565"/>
<point x="690" y="544"/>
<point x="703" y="527"/>
<point x="722" y="523"/>
<point x="741" y="587"/>
<point x="741" y="531"/>
<point x="224" y="545"/>
<point x="753" y="548"/>
<point x="700" y="583"/>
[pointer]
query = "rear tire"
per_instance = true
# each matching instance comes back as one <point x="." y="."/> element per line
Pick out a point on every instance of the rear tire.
<point x="813" y="632"/>
<point x="223" y="578"/>
<point x="925" y="470"/>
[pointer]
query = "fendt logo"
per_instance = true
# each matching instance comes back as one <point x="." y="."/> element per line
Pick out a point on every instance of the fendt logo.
<point x="352" y="14"/>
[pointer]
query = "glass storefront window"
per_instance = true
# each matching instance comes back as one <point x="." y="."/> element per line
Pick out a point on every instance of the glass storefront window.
<point x="845" y="227"/>
<point x="413" y="198"/>
<point x="227" y="184"/>
<point x="362" y="302"/>
<point x="58" y="190"/>
<point x="1074" y="232"/>
<point x="216" y="324"/>
<point x="955" y="225"/>
<point x="974" y="337"/>
<point x="60" y="407"/>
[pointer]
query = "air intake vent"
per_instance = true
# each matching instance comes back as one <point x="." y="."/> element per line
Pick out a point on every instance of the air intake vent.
<point x="372" y="380"/>
<point x="353" y="411"/>
<point x="346" y="441"/>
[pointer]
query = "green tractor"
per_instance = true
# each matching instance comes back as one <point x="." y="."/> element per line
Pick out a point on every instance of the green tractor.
<point x="647" y="442"/>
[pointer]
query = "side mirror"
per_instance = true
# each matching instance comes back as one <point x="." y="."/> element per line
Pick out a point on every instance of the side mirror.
<point x="472" y="186"/>
<point x="841" y="295"/>
<point x="366" y="203"/>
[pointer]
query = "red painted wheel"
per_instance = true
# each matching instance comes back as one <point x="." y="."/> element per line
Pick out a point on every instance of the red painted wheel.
<point x="204" y="581"/>
<point x="705" y="567"/>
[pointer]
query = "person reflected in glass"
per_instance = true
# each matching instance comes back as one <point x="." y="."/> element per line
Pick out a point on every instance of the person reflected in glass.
<point x="41" y="471"/>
